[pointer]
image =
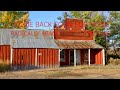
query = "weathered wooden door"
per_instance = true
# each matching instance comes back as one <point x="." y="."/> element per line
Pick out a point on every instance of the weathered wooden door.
<point x="71" y="57"/>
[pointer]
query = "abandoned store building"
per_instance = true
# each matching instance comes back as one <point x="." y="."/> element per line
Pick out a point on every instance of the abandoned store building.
<point x="67" y="44"/>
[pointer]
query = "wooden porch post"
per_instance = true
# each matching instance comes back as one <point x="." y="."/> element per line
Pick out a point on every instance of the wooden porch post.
<point x="74" y="57"/>
<point x="59" y="57"/>
<point x="103" y="51"/>
<point x="11" y="52"/>
<point x="89" y="56"/>
<point x="36" y="57"/>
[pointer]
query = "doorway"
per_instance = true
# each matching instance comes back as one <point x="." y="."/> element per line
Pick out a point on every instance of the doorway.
<point x="71" y="57"/>
<point x="78" y="57"/>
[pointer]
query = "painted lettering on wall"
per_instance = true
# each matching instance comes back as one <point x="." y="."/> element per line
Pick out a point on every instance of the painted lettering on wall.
<point x="77" y="34"/>
<point x="31" y="33"/>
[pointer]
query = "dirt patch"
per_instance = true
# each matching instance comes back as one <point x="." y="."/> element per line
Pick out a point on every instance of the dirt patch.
<point x="78" y="72"/>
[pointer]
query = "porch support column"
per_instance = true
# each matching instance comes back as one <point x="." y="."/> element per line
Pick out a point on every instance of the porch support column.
<point x="89" y="56"/>
<point x="74" y="57"/>
<point x="103" y="51"/>
<point x="36" y="57"/>
<point x="59" y="58"/>
<point x="11" y="52"/>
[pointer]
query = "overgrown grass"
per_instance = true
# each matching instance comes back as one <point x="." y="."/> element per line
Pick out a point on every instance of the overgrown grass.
<point x="4" y="65"/>
<point x="114" y="61"/>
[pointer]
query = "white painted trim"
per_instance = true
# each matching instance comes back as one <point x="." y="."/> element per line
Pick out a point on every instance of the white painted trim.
<point x="53" y="33"/>
<point x="89" y="56"/>
<point x="74" y="57"/>
<point x="69" y="57"/>
<point x="1" y="37"/>
<point x="84" y="24"/>
<point x="36" y="57"/>
<point x="80" y="56"/>
<point x="59" y="57"/>
<point x="103" y="51"/>
<point x="11" y="52"/>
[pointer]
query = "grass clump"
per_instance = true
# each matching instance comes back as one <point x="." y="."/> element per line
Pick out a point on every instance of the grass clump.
<point x="114" y="61"/>
<point x="4" y="66"/>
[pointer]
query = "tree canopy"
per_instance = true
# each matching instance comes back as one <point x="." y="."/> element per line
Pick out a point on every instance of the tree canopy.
<point x="14" y="19"/>
<point x="114" y="29"/>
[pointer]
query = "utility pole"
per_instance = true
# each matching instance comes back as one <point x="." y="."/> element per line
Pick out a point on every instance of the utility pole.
<point x="106" y="34"/>
<point x="106" y="47"/>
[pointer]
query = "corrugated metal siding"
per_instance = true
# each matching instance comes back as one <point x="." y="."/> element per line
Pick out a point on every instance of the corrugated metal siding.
<point x="47" y="58"/>
<point x="5" y="53"/>
<point x="4" y="37"/>
<point x="76" y="44"/>
<point x="25" y="58"/>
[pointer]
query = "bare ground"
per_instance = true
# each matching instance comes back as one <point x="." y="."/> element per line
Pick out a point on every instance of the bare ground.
<point x="78" y="72"/>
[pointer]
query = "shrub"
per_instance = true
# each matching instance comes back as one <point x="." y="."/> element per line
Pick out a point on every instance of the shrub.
<point x="4" y="66"/>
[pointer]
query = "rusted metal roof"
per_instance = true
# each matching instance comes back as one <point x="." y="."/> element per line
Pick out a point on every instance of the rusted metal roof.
<point x="34" y="39"/>
<point x="77" y="44"/>
<point x="34" y="43"/>
<point x="38" y="40"/>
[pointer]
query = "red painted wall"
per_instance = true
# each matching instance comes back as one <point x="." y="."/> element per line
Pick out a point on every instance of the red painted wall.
<point x="74" y="24"/>
<point x="45" y="57"/>
<point x="98" y="56"/>
<point x="23" y="56"/>
<point x="73" y="35"/>
<point x="73" y="29"/>
<point x="5" y="53"/>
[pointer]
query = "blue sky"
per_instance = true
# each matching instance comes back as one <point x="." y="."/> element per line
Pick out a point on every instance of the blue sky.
<point x="45" y="17"/>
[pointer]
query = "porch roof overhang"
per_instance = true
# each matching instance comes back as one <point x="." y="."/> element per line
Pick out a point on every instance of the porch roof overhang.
<point x="78" y="44"/>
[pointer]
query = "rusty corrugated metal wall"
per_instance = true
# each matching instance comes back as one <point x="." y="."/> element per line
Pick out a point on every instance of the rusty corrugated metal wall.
<point x="24" y="58"/>
<point x="5" y="53"/>
<point x="47" y="58"/>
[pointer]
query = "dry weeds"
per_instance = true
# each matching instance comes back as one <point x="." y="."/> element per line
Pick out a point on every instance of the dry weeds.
<point x="78" y="72"/>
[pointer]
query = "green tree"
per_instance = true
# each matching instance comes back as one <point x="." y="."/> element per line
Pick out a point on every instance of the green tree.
<point x="14" y="19"/>
<point x="115" y="28"/>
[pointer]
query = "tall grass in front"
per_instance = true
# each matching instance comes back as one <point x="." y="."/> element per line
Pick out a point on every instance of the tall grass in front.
<point x="114" y="61"/>
<point x="4" y="65"/>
